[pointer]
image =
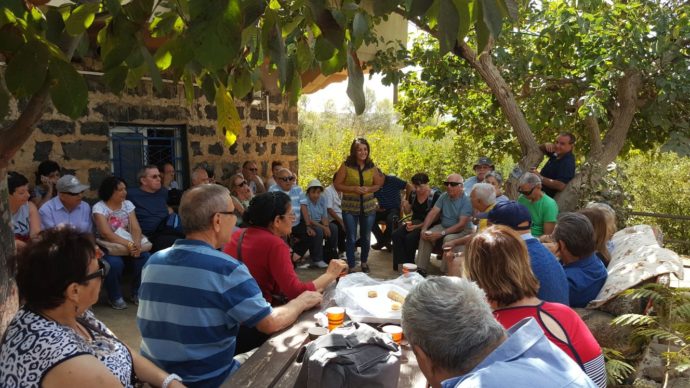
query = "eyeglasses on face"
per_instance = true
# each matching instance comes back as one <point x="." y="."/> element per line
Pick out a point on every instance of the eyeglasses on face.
<point x="227" y="213"/>
<point x="527" y="192"/>
<point x="452" y="184"/>
<point x="241" y="184"/>
<point x="102" y="270"/>
<point x="287" y="178"/>
<point x="154" y="177"/>
<point x="74" y="194"/>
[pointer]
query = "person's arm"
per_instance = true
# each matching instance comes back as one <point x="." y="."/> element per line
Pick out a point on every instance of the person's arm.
<point x="306" y="216"/>
<point x="339" y="181"/>
<point x="34" y="220"/>
<point x="552" y="183"/>
<point x="378" y="183"/>
<point x="135" y="231"/>
<point x="549" y="227"/>
<point x="462" y="223"/>
<point x="106" y="232"/>
<point x="283" y="316"/>
<point x="46" y="219"/>
<point x="80" y="371"/>
<point x="335" y="268"/>
<point x="547" y="148"/>
<point x="149" y="373"/>
<point x="260" y="188"/>
<point x="430" y="219"/>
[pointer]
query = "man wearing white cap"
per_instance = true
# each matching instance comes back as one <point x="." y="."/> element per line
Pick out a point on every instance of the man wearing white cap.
<point x="67" y="208"/>
<point x="315" y="220"/>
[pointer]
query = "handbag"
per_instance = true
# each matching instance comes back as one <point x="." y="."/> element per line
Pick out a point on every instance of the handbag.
<point x="117" y="249"/>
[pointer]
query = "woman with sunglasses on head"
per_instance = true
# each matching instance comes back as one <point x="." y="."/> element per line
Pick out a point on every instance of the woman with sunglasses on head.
<point x="241" y="194"/>
<point x="498" y="261"/>
<point x="54" y="340"/>
<point x="358" y="179"/>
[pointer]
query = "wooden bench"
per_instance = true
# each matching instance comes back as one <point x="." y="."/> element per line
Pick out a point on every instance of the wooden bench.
<point x="274" y="363"/>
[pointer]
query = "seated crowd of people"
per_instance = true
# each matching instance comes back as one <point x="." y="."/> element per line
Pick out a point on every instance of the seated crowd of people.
<point x="214" y="270"/>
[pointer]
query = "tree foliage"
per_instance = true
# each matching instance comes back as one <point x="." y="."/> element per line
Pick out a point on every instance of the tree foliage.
<point x="612" y="72"/>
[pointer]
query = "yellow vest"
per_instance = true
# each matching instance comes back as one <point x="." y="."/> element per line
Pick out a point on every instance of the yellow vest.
<point x="355" y="203"/>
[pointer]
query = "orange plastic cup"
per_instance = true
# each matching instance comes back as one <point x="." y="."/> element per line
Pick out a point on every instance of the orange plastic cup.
<point x="409" y="267"/>
<point x="336" y="317"/>
<point x="393" y="331"/>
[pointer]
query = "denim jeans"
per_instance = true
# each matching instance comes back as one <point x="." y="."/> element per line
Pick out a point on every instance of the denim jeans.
<point x="365" y="224"/>
<point x="117" y="265"/>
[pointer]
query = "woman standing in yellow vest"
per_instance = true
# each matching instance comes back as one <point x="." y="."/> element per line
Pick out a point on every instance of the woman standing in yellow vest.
<point x="358" y="179"/>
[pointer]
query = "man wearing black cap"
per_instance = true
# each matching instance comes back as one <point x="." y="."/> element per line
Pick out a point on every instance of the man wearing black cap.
<point x="553" y="284"/>
<point x="483" y="166"/>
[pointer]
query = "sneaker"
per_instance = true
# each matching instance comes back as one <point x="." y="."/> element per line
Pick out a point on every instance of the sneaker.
<point x="304" y="266"/>
<point x="365" y="267"/>
<point x="119" y="304"/>
<point x="319" y="264"/>
<point x="377" y="247"/>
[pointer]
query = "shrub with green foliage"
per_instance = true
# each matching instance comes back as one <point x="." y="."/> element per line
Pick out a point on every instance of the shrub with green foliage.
<point x="659" y="182"/>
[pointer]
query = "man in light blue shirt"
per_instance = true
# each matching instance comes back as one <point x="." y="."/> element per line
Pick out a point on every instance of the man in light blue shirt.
<point x="459" y="343"/>
<point x="67" y="208"/>
<point x="454" y="209"/>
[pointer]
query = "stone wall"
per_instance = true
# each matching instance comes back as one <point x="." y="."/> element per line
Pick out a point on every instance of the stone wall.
<point x="81" y="146"/>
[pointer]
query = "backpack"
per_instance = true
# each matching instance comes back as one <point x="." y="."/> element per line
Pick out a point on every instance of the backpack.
<point x="350" y="357"/>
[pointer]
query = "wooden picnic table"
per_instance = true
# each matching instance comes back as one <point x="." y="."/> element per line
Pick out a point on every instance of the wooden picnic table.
<point x="274" y="363"/>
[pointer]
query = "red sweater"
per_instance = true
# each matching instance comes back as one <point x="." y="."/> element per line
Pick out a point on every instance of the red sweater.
<point x="267" y="257"/>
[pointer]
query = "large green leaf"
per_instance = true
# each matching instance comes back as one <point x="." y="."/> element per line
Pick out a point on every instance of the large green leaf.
<point x="113" y="6"/>
<point x="384" y="7"/>
<point x="418" y="7"/>
<point x="323" y="49"/>
<point x="295" y="88"/>
<point x="27" y="70"/>
<point x="138" y="10"/>
<point x="448" y="23"/>
<point x="360" y="28"/>
<point x="229" y="122"/>
<point x="355" y="82"/>
<point x="11" y="39"/>
<point x="152" y="68"/>
<point x="164" y="54"/>
<point x="241" y="82"/>
<point x="493" y="18"/>
<point x="464" y="22"/>
<point x="482" y="31"/>
<point x="68" y="89"/>
<point x="511" y="7"/>
<point x="115" y="79"/>
<point x="55" y="25"/>
<point x="81" y="18"/>
<point x="217" y="41"/>
<point x="305" y="57"/>
<point x="335" y="63"/>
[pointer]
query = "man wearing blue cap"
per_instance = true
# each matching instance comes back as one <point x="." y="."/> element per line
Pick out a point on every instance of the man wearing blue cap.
<point x="553" y="284"/>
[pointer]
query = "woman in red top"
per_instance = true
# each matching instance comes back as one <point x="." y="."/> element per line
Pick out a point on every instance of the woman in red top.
<point x="262" y="248"/>
<point x="498" y="261"/>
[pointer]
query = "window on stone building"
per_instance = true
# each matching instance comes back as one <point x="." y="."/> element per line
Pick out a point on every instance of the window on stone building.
<point x="132" y="147"/>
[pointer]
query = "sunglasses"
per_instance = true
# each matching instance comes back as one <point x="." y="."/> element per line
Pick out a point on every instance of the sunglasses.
<point x="287" y="178"/>
<point x="526" y="193"/>
<point x="241" y="184"/>
<point x="253" y="169"/>
<point x="452" y="184"/>
<point x="102" y="271"/>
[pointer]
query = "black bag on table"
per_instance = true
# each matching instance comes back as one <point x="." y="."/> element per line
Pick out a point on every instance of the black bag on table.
<point x="355" y="357"/>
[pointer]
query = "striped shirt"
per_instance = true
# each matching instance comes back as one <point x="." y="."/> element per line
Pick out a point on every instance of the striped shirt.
<point x="389" y="194"/>
<point x="193" y="299"/>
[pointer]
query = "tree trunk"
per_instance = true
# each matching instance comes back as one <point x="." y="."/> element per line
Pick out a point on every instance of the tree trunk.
<point x="484" y="65"/>
<point x="8" y="288"/>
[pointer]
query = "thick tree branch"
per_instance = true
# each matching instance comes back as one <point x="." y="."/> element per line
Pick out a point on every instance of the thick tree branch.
<point x="627" y="90"/>
<point x="592" y="125"/>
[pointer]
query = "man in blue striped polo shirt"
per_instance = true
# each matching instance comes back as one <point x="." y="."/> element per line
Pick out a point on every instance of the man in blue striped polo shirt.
<point x="193" y="298"/>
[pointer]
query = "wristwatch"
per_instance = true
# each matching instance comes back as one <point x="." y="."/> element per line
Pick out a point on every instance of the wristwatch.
<point x="443" y="232"/>
<point x="170" y="379"/>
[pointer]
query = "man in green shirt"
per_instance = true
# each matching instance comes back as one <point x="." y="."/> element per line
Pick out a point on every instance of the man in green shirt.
<point x="542" y="208"/>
